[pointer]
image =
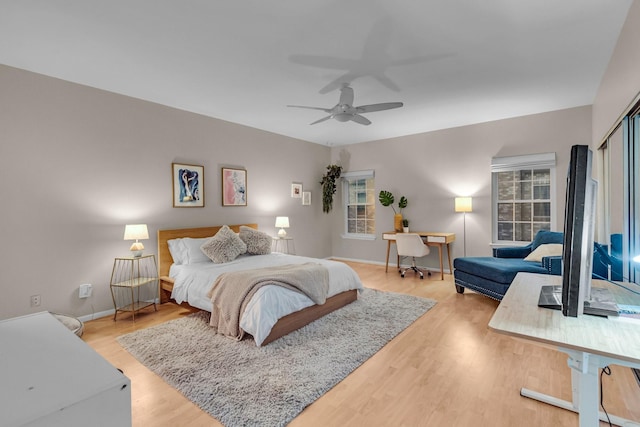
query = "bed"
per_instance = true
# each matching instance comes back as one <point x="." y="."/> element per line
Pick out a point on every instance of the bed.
<point x="273" y="311"/>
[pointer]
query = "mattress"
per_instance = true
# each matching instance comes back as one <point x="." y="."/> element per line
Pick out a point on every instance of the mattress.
<point x="271" y="302"/>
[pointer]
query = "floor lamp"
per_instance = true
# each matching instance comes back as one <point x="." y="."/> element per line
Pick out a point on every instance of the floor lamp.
<point x="463" y="204"/>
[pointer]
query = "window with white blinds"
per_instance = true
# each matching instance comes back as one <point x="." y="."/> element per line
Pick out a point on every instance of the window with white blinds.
<point x="523" y="195"/>
<point x="359" y="204"/>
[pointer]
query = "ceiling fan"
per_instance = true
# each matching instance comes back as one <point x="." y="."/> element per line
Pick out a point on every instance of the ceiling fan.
<point x="344" y="110"/>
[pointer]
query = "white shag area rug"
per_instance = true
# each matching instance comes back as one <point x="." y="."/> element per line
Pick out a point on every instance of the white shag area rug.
<point x="240" y="384"/>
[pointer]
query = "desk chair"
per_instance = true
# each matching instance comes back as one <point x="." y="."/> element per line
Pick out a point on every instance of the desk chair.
<point x="411" y="245"/>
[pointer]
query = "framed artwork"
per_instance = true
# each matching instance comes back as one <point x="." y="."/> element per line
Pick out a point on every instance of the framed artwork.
<point x="296" y="190"/>
<point x="188" y="186"/>
<point x="234" y="187"/>
<point x="306" y="198"/>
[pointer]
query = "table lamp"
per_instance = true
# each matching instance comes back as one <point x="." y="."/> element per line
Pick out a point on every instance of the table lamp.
<point x="464" y="204"/>
<point x="282" y="222"/>
<point x="136" y="232"/>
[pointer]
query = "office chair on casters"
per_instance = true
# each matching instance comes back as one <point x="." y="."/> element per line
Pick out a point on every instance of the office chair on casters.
<point x="411" y="245"/>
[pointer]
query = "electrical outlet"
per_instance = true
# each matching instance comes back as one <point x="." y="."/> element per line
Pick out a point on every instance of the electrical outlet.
<point x="35" y="301"/>
<point x="85" y="290"/>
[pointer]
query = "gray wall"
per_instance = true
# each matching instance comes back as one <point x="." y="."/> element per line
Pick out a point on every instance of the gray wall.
<point x="621" y="82"/>
<point x="431" y="169"/>
<point x="77" y="164"/>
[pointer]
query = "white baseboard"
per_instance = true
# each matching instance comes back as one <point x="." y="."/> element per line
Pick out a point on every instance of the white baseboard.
<point x="97" y="315"/>
<point x="366" y="261"/>
<point x="101" y="314"/>
<point x="363" y="261"/>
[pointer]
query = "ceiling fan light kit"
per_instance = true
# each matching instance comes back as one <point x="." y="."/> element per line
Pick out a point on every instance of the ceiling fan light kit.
<point x="344" y="110"/>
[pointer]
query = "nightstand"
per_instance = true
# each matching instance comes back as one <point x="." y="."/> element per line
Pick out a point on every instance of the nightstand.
<point x="134" y="284"/>
<point x="286" y="245"/>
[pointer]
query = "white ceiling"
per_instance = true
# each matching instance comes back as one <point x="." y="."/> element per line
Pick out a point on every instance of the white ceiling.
<point x="452" y="62"/>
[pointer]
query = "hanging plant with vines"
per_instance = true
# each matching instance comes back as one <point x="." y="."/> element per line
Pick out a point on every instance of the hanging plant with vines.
<point x="329" y="186"/>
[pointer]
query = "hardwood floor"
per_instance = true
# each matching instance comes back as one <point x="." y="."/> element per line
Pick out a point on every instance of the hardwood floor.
<point x="446" y="369"/>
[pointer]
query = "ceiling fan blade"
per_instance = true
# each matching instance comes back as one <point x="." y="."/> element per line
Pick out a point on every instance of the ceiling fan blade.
<point x="321" y="120"/>
<point x="378" y="107"/>
<point x="360" y="119"/>
<point x="326" y="110"/>
<point x="346" y="95"/>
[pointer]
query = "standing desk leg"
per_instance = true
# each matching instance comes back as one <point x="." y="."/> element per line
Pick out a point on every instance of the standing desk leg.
<point x="449" y="258"/>
<point x="584" y="387"/>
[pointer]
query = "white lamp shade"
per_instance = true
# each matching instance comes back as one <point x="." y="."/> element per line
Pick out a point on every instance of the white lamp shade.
<point x="282" y="221"/>
<point x="463" y="204"/>
<point x="136" y="231"/>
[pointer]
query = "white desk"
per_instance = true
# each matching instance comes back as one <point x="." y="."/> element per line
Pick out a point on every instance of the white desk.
<point x="591" y="342"/>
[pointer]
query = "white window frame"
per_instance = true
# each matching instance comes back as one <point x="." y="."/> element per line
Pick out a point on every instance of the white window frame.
<point x="516" y="163"/>
<point x="346" y="178"/>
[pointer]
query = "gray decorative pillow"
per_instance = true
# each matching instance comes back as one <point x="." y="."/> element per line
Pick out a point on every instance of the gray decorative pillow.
<point x="225" y="246"/>
<point x="258" y="243"/>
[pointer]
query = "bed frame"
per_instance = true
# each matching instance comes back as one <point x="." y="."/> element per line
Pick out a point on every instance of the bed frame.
<point x="286" y="324"/>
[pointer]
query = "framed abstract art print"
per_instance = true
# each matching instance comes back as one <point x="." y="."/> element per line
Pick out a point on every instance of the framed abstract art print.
<point x="234" y="187"/>
<point x="188" y="186"/>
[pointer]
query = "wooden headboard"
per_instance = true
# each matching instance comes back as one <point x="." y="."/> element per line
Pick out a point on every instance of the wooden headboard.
<point x="164" y="256"/>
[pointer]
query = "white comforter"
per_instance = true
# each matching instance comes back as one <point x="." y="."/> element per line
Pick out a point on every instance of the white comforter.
<point x="270" y="303"/>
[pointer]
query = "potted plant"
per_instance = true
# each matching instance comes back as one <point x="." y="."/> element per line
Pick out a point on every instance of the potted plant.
<point x="329" y="186"/>
<point x="405" y="225"/>
<point x="386" y="199"/>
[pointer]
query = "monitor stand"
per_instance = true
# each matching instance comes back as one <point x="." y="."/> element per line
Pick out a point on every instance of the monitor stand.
<point x="601" y="303"/>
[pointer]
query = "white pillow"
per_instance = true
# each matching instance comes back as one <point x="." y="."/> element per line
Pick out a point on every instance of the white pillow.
<point x="177" y="251"/>
<point x="258" y="243"/>
<point x="193" y="251"/>
<point x="187" y="250"/>
<point x="225" y="246"/>
<point x="549" y="249"/>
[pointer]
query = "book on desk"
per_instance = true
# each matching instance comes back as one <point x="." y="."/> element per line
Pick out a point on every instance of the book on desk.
<point x="601" y="303"/>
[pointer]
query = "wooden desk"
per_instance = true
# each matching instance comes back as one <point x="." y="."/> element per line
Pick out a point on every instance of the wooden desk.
<point x="433" y="239"/>
<point x="591" y="342"/>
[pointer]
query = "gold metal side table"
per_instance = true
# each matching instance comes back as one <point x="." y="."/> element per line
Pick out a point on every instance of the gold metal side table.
<point x="286" y="245"/>
<point x="134" y="284"/>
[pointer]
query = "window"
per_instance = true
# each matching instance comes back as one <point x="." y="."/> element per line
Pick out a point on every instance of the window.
<point x="522" y="196"/>
<point x="621" y="196"/>
<point x="359" y="204"/>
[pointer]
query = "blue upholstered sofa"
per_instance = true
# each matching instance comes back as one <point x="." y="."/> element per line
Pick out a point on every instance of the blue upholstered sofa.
<point x="491" y="276"/>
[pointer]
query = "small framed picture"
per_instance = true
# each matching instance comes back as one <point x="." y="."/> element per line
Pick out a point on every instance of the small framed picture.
<point x="234" y="187"/>
<point x="296" y="190"/>
<point x="188" y="186"/>
<point x="306" y="198"/>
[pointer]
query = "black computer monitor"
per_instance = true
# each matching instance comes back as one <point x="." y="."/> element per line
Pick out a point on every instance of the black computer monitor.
<point x="579" y="228"/>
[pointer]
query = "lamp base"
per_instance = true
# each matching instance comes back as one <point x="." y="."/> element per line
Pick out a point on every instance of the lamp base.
<point x="282" y="233"/>
<point x="136" y="249"/>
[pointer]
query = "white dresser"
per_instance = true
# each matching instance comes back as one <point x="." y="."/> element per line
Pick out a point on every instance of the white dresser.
<point x="50" y="377"/>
